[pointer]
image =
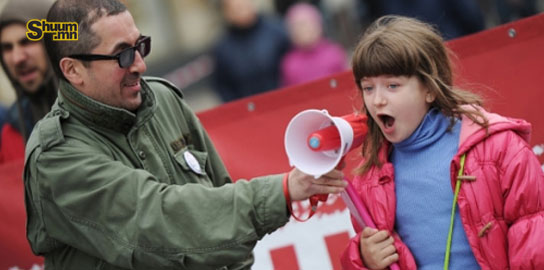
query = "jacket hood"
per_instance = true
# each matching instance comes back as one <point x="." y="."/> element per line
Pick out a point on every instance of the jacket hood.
<point x="21" y="11"/>
<point x="472" y="133"/>
<point x="24" y="10"/>
<point x="39" y="103"/>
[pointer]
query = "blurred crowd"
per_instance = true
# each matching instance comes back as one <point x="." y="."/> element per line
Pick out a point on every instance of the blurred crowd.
<point x="223" y="50"/>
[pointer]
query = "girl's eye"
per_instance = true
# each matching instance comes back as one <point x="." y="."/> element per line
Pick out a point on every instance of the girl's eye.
<point x="367" y="88"/>
<point x="393" y="85"/>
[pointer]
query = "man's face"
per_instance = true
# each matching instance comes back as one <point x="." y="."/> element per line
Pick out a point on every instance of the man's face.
<point x="25" y="60"/>
<point x="104" y="80"/>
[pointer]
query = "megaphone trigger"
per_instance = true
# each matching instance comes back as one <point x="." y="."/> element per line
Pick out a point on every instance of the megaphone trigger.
<point x="315" y="199"/>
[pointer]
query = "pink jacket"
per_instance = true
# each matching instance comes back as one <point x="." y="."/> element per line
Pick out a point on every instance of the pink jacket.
<point x="502" y="210"/>
<point x="305" y="64"/>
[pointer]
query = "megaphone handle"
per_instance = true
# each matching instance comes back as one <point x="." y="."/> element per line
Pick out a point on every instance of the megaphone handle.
<point x="314" y="199"/>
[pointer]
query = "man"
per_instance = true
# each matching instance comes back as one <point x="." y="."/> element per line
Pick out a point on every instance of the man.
<point x="28" y="68"/>
<point x="247" y="58"/>
<point x="121" y="175"/>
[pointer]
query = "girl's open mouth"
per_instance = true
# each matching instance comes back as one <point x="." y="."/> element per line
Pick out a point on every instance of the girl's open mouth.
<point x="387" y="121"/>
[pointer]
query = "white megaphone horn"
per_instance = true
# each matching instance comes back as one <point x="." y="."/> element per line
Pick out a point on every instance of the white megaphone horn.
<point x="316" y="142"/>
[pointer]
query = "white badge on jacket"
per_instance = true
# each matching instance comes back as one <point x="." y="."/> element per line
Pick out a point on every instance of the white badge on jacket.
<point x="192" y="162"/>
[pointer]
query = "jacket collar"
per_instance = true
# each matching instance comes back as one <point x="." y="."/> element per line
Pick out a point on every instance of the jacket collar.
<point x="102" y="115"/>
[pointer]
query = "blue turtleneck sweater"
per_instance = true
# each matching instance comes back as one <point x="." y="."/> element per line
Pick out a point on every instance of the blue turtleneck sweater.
<point x="424" y="194"/>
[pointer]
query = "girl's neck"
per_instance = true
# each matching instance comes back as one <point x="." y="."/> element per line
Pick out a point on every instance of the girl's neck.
<point x="431" y="129"/>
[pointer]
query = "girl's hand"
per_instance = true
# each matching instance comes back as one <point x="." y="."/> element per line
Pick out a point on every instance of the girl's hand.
<point x="377" y="249"/>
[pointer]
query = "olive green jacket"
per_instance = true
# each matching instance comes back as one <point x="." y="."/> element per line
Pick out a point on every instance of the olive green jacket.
<point x="109" y="189"/>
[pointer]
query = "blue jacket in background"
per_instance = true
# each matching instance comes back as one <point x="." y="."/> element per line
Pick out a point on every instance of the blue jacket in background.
<point x="453" y="18"/>
<point x="247" y="61"/>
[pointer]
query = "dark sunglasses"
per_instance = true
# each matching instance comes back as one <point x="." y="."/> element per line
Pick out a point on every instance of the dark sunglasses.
<point x="125" y="58"/>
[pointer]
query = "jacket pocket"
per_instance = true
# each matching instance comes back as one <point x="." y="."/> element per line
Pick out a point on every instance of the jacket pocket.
<point x="192" y="161"/>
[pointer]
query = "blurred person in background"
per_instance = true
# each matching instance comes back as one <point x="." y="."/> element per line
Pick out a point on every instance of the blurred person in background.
<point x="312" y="56"/>
<point x="29" y="71"/>
<point x="454" y="18"/>
<point x="3" y="114"/>
<point x="247" y="57"/>
<point x="511" y="10"/>
<point x="282" y="6"/>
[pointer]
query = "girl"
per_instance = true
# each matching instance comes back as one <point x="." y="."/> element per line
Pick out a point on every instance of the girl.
<point x="313" y="55"/>
<point x="430" y="146"/>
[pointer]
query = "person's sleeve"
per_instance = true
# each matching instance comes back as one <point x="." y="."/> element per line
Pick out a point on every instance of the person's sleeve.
<point x="126" y="217"/>
<point x="524" y="206"/>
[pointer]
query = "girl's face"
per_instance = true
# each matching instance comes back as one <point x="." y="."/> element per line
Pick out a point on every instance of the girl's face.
<point x="397" y="104"/>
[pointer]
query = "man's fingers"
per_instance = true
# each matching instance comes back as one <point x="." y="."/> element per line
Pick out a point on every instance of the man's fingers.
<point x="330" y="182"/>
<point x="334" y="174"/>
<point x="323" y="185"/>
<point x="301" y="185"/>
<point x="321" y="189"/>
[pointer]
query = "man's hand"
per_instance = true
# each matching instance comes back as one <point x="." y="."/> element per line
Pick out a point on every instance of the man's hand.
<point x="302" y="186"/>
<point x="377" y="249"/>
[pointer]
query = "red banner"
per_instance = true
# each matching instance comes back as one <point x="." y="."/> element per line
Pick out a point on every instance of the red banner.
<point x="504" y="64"/>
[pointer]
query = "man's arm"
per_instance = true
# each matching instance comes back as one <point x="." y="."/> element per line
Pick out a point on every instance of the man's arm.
<point x="124" y="216"/>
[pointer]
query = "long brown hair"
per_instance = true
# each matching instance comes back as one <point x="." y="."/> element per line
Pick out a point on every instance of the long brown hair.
<point x="402" y="46"/>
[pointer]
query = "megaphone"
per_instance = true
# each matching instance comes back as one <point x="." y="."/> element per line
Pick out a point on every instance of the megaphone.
<point x="316" y="142"/>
